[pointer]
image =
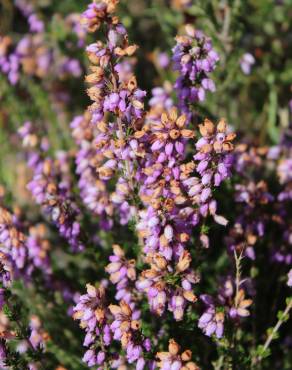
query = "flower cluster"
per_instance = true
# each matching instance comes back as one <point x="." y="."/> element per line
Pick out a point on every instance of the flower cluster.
<point x="93" y="190"/>
<point x="21" y="253"/>
<point x="230" y="304"/>
<point x="56" y="202"/>
<point x="122" y="274"/>
<point x="39" y="248"/>
<point x="161" y="189"/>
<point x="149" y="155"/>
<point x="194" y="58"/>
<point x="32" y="54"/>
<point x="112" y="89"/>
<point x="126" y="328"/>
<point x="173" y="359"/>
<point x="97" y="12"/>
<point x="51" y="188"/>
<point x="9" y="63"/>
<point x="254" y="197"/>
<point x="165" y="284"/>
<point x="213" y="163"/>
<point x="92" y="312"/>
<point x="12" y="240"/>
<point x="212" y="321"/>
<point x="176" y="199"/>
<point x="37" y="338"/>
<point x="104" y="323"/>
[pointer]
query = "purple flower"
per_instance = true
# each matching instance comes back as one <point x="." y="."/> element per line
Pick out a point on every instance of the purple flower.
<point x="174" y="359"/>
<point x="212" y="321"/>
<point x="163" y="60"/>
<point x="246" y="62"/>
<point x="126" y="328"/>
<point x="35" y="24"/>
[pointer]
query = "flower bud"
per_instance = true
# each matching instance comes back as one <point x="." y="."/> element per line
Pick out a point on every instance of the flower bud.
<point x="181" y="121"/>
<point x="184" y="261"/>
<point x="168" y="232"/>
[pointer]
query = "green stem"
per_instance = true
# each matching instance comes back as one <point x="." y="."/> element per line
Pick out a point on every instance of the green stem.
<point x="271" y="336"/>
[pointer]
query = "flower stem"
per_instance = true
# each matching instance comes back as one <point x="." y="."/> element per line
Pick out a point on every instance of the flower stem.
<point x="271" y="336"/>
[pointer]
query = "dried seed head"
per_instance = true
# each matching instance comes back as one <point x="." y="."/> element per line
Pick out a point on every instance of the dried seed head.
<point x="173" y="114"/>
<point x="173" y="347"/>
<point x="186" y="355"/>
<point x="135" y="325"/>
<point x="221" y="127"/>
<point x="181" y="121"/>
<point x="184" y="261"/>
<point x="174" y="134"/>
<point x="126" y="309"/>
<point x="207" y="128"/>
<point x="164" y="118"/>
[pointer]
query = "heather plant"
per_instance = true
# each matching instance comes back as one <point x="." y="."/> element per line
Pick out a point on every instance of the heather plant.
<point x="146" y="185"/>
